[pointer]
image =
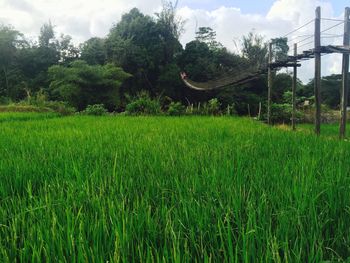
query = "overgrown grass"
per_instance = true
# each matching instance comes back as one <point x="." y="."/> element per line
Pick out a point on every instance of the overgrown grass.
<point x="327" y="130"/>
<point x="26" y="116"/>
<point x="158" y="189"/>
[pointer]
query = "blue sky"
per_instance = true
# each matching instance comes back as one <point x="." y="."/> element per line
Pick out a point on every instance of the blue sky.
<point x="250" y="6"/>
<point x="247" y="6"/>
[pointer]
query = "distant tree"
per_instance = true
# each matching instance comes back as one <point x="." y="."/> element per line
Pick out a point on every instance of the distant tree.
<point x="280" y="48"/>
<point x="67" y="50"/>
<point x="143" y="47"/>
<point x="171" y="27"/>
<point x="197" y="61"/>
<point x="93" y="51"/>
<point x="169" y="82"/>
<point x="330" y="90"/>
<point x="81" y="84"/>
<point x="282" y="83"/>
<point x="255" y="49"/>
<point x="134" y="44"/>
<point x="47" y="35"/>
<point x="208" y="35"/>
<point x="11" y="42"/>
<point x="169" y="19"/>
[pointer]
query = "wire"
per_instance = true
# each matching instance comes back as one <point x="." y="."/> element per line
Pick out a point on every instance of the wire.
<point x="332" y="27"/>
<point x="293" y="39"/>
<point x="329" y="34"/>
<point x="335" y="36"/>
<point x="308" y="23"/>
<point x="306" y="44"/>
<point x="332" y="19"/>
<point x="303" y="40"/>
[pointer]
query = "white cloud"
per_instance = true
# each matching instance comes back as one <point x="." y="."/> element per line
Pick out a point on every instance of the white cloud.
<point x="86" y="18"/>
<point x="80" y="18"/>
<point x="284" y="16"/>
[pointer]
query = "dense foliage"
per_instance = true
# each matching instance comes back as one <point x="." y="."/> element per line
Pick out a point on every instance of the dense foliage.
<point x="142" y="53"/>
<point x="81" y="84"/>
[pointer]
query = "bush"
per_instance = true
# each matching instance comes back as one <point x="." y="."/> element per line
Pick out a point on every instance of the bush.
<point x="176" y="109"/>
<point x="143" y="104"/>
<point x="5" y="100"/>
<point x="23" y="108"/>
<point x="95" y="110"/>
<point x="231" y="110"/>
<point x="212" y="107"/>
<point x="282" y="113"/>
<point x="61" y="108"/>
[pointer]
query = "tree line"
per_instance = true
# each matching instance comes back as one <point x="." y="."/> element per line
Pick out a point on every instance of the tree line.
<point x="141" y="53"/>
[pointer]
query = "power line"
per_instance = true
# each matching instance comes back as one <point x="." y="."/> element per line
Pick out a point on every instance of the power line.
<point x="303" y="40"/>
<point x="332" y="19"/>
<point x="332" y="27"/>
<point x="308" y="23"/>
<point x="306" y="44"/>
<point x="330" y="34"/>
<point x="293" y="39"/>
<point x="335" y="36"/>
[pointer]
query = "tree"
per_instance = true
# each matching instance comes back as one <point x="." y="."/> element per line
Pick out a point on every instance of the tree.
<point x="169" y="82"/>
<point x="280" y="48"/>
<point x="68" y="52"/>
<point x="208" y="35"/>
<point x="167" y="17"/>
<point x="81" y="84"/>
<point x="282" y="83"/>
<point x="93" y="51"/>
<point x="143" y="47"/>
<point x="47" y="35"/>
<point x="255" y="49"/>
<point x="11" y="41"/>
<point x="197" y="61"/>
<point x="134" y="44"/>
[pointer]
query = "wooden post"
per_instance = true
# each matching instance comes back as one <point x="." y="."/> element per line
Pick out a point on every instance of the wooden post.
<point x="318" y="71"/>
<point x="345" y="72"/>
<point x="294" y="87"/>
<point x="249" y="110"/>
<point x="269" y="92"/>
<point x="259" y="114"/>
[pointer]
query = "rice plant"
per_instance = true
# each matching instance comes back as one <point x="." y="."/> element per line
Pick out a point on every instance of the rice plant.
<point x="170" y="189"/>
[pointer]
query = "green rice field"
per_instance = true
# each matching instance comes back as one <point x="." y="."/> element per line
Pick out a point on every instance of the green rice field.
<point x="162" y="189"/>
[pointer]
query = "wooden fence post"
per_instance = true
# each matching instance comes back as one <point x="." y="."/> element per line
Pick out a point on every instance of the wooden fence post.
<point x="345" y="72"/>
<point x="269" y="92"/>
<point x="294" y="87"/>
<point x="318" y="71"/>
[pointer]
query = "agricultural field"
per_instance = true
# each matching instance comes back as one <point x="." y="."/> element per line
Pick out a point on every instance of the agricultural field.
<point x="162" y="189"/>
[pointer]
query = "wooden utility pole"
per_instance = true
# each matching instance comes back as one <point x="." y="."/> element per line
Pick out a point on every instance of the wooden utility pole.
<point x="269" y="92"/>
<point x="345" y="72"/>
<point x="318" y="71"/>
<point x="294" y="86"/>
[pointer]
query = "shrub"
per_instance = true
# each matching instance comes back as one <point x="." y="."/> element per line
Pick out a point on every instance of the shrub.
<point x="143" y="104"/>
<point x="95" y="110"/>
<point x="5" y="100"/>
<point x="282" y="113"/>
<point x="176" y="109"/>
<point x="231" y="110"/>
<point x="23" y="108"/>
<point x="212" y="107"/>
<point x="60" y="107"/>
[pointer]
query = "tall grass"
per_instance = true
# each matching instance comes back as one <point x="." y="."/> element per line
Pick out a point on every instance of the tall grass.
<point x="157" y="189"/>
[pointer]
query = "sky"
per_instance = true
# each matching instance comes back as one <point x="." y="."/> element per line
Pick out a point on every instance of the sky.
<point x="231" y="19"/>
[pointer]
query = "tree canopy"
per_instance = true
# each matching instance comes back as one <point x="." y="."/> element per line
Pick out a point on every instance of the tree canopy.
<point x="142" y="53"/>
